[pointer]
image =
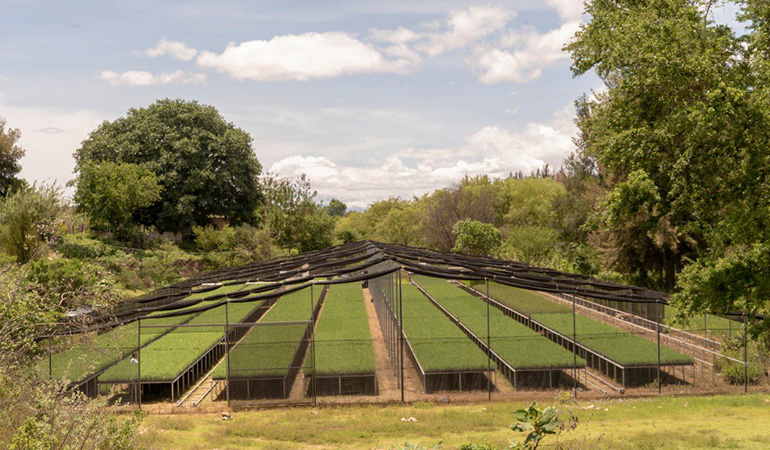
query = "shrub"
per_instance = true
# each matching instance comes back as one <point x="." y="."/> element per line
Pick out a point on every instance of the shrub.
<point x="231" y="246"/>
<point x="29" y="220"/>
<point x="476" y="238"/>
<point x="83" y="246"/>
<point x="734" y="372"/>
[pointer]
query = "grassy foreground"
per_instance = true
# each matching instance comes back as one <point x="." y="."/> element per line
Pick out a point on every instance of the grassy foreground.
<point x="659" y="423"/>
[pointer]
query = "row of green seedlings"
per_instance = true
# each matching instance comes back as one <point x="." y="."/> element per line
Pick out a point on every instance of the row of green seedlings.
<point x="518" y="345"/>
<point x="612" y="343"/>
<point x="442" y="353"/>
<point x="96" y="353"/>
<point x="343" y="343"/>
<point x="273" y="350"/>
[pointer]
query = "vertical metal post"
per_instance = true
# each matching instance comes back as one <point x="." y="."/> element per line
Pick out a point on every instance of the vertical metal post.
<point x="312" y="344"/>
<point x="489" y="348"/>
<point x="50" y="360"/>
<point x="401" y="333"/>
<point x="657" y="329"/>
<point x="227" y="349"/>
<point x="139" y="362"/>
<point x="574" y="346"/>
<point x="705" y="327"/>
<point x="745" y="354"/>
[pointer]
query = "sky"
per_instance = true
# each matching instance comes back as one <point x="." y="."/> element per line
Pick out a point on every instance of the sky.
<point x="370" y="99"/>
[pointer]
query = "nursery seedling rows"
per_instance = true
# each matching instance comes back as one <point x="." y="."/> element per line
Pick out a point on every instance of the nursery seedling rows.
<point x="268" y="351"/>
<point x="617" y="345"/>
<point x="517" y="344"/>
<point x="110" y="347"/>
<point x="437" y="344"/>
<point x="170" y="355"/>
<point x="343" y="343"/>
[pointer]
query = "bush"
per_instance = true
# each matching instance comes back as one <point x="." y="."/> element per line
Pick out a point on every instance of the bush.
<point x="734" y="372"/>
<point x="29" y="220"/>
<point x="71" y="282"/>
<point x="83" y="246"/>
<point x="231" y="246"/>
<point x="476" y="238"/>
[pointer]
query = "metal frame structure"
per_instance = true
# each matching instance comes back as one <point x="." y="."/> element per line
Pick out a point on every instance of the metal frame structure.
<point x="369" y="260"/>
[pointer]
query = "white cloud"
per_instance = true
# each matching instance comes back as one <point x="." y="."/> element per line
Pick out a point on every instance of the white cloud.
<point x="144" y="78"/>
<point x="400" y="35"/>
<point x="302" y="57"/>
<point x="568" y="10"/>
<point x="531" y="52"/>
<point x="492" y="150"/>
<point x="465" y="27"/>
<point x="174" y="49"/>
<point x="50" y="136"/>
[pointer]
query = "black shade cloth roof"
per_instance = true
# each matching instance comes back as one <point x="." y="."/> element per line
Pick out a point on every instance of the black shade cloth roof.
<point x="357" y="262"/>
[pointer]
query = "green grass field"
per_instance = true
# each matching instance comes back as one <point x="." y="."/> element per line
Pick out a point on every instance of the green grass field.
<point x="94" y="355"/>
<point x="343" y="344"/>
<point x="662" y="423"/>
<point x="169" y="356"/>
<point x="268" y="351"/>
<point x="613" y="343"/>
<point x="437" y="343"/>
<point x="517" y="344"/>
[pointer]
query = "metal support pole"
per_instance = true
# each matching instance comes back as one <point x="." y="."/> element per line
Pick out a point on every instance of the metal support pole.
<point x="50" y="360"/>
<point x="574" y="346"/>
<point x="657" y="329"/>
<point x="745" y="354"/>
<point x="401" y="333"/>
<point x="312" y="344"/>
<point x="139" y="362"/>
<point x="489" y="348"/>
<point x="227" y="349"/>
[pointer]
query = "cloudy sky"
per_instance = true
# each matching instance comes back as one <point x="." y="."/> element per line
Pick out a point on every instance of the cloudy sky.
<point x="369" y="98"/>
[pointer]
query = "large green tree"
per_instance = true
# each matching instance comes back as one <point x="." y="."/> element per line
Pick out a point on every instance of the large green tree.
<point x="10" y="154"/>
<point x="205" y="165"/>
<point x="678" y="135"/>
<point x="112" y="193"/>
<point x="293" y="217"/>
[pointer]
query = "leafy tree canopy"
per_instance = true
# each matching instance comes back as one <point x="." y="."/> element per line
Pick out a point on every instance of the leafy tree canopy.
<point x="205" y="165"/>
<point x="476" y="238"/>
<point x="10" y="154"/>
<point x="336" y="208"/>
<point x="112" y="193"/>
<point x="679" y="124"/>
<point x="292" y="215"/>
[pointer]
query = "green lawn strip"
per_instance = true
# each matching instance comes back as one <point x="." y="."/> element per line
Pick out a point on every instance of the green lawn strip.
<point x="517" y="344"/>
<point x="107" y="348"/>
<point x="167" y="357"/>
<point x="438" y="344"/>
<point x="615" y="344"/>
<point x="342" y="341"/>
<point x="268" y="351"/>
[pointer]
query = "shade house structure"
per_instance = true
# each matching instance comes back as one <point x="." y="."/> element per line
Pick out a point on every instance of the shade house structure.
<point x="382" y="322"/>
